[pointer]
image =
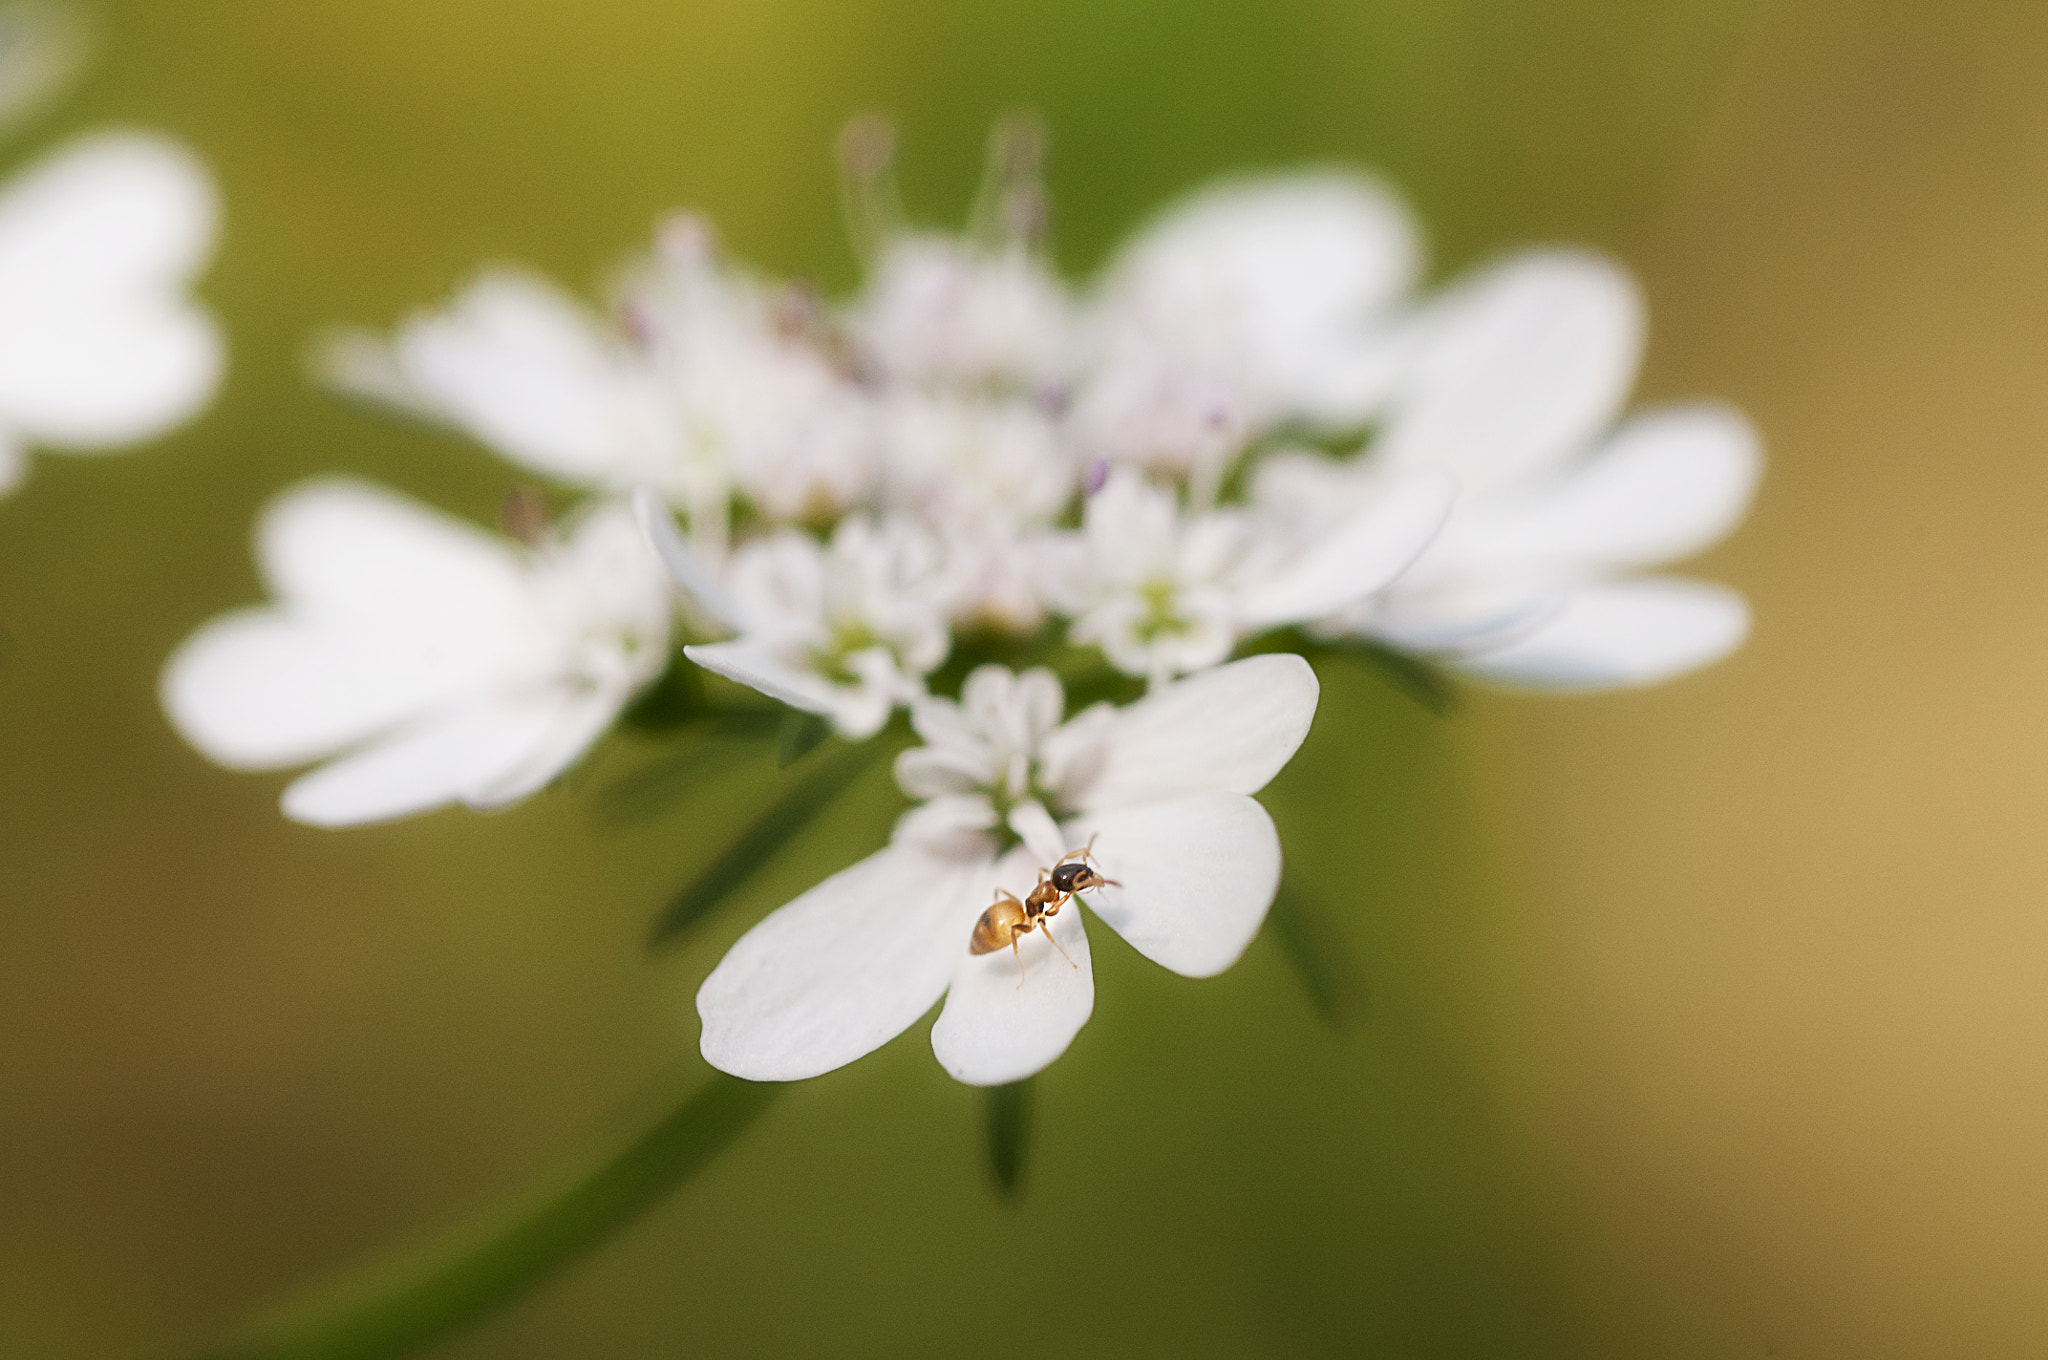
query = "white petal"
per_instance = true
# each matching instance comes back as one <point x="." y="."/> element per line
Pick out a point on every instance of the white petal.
<point x="1622" y="633"/>
<point x="259" y="689"/>
<point x="1001" y="1024"/>
<point x="112" y="214"/>
<point x="435" y="761"/>
<point x="1668" y="484"/>
<point x="1040" y="834"/>
<point x="576" y="718"/>
<point x="688" y="571"/>
<point x="98" y="345"/>
<point x="1197" y="873"/>
<point x="1292" y="266"/>
<point x="355" y="362"/>
<point x="1517" y="368"/>
<point x="345" y="550"/>
<point x="1230" y="728"/>
<point x="758" y="668"/>
<point x="1357" y="558"/>
<point x="528" y="371"/>
<point x="105" y="373"/>
<point x="841" y="970"/>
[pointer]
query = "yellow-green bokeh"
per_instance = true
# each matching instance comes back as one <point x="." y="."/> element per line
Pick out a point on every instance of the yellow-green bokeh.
<point x="1706" y="1021"/>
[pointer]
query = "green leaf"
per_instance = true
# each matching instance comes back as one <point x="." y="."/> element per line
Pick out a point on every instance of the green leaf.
<point x="782" y="819"/>
<point x="798" y="736"/>
<point x="410" y="1300"/>
<point x="1006" y="1126"/>
<point x="1319" y="958"/>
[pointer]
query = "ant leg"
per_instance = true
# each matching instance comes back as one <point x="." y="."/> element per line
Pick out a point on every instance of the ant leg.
<point x="1056" y="945"/>
<point x="1020" y="960"/>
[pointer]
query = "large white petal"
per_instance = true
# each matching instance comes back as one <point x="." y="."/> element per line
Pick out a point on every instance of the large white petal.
<point x="1619" y="634"/>
<point x="1358" y="557"/>
<point x="340" y="549"/>
<point x="527" y="371"/>
<point x="843" y="969"/>
<point x="434" y="761"/>
<point x="1516" y="368"/>
<point x="1668" y="484"/>
<point x="1230" y="728"/>
<point x="1001" y="1024"/>
<point x="259" y="688"/>
<point x="1198" y="875"/>
<point x="1294" y="265"/>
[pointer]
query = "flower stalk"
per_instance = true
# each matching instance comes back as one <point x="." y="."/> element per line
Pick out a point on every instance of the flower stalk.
<point x="403" y="1303"/>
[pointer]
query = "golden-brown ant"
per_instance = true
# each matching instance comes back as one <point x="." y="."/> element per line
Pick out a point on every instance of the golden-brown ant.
<point x="1007" y="920"/>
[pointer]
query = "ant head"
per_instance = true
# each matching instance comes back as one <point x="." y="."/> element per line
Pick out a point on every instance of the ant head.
<point x="1076" y="876"/>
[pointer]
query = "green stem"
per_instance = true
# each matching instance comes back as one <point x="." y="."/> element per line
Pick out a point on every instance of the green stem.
<point x="783" y="818"/>
<point x="1006" y="1112"/>
<point x="1319" y="958"/>
<point x="399" y="1305"/>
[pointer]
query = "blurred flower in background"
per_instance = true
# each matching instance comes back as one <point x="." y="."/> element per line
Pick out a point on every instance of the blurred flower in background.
<point x="101" y="344"/>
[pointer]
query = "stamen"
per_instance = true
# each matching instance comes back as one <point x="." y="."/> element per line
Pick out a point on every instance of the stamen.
<point x="867" y="183"/>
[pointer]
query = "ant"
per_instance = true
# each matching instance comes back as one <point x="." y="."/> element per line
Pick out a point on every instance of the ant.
<point x="1007" y="920"/>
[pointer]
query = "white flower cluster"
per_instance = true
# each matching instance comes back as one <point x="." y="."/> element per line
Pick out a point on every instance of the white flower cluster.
<point x="1253" y="420"/>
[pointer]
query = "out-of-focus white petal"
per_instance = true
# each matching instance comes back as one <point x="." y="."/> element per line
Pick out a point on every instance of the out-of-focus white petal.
<point x="1464" y="613"/>
<point x="1230" y="728"/>
<point x="1197" y="873"/>
<point x="341" y="549"/>
<point x="1619" y="634"/>
<point x="114" y="214"/>
<point x="106" y="372"/>
<point x="99" y="347"/>
<point x="1039" y="832"/>
<point x="525" y="369"/>
<point x="574" y="721"/>
<point x="258" y="689"/>
<point x="1668" y="484"/>
<point x="1357" y="558"/>
<point x="356" y="362"/>
<point x="1516" y="368"/>
<point x="758" y="668"/>
<point x="842" y="969"/>
<point x="999" y="1026"/>
<point x="1293" y="266"/>
<point x="684" y="567"/>
<point x="434" y="761"/>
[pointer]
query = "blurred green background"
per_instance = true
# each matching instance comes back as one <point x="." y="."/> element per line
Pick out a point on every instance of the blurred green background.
<point x="1708" y="1021"/>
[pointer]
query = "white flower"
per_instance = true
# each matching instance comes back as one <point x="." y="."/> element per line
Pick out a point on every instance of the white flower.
<point x="1163" y="593"/>
<point x="436" y="663"/>
<point x="723" y="385"/>
<point x="1253" y="303"/>
<point x="940" y="311"/>
<point x="987" y="474"/>
<point x="1515" y="380"/>
<point x="1162" y="790"/>
<point x="848" y="630"/>
<point x="101" y="344"/>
